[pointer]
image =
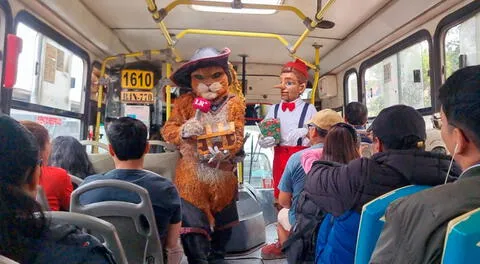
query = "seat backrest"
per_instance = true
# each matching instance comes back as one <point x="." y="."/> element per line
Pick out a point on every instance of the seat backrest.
<point x="162" y="163"/>
<point x="42" y="198"/>
<point x="372" y="221"/>
<point x="102" y="162"/>
<point x="75" y="180"/>
<point x="462" y="241"/>
<point x="5" y="260"/>
<point x="103" y="230"/>
<point x="135" y="222"/>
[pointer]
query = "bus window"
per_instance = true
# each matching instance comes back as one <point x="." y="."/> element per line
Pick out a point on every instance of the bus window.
<point x="51" y="77"/>
<point x="48" y="74"/>
<point x="402" y="78"/>
<point x="56" y="125"/>
<point x="352" y="87"/>
<point x="462" y="45"/>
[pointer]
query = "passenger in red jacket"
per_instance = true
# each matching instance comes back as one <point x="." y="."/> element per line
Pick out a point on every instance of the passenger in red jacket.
<point x="55" y="181"/>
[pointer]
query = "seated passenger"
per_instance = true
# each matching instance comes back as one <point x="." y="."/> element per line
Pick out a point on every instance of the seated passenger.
<point x="341" y="146"/>
<point x="55" y="182"/>
<point x="398" y="140"/>
<point x="25" y="234"/>
<point x="128" y="146"/>
<point x="67" y="153"/>
<point x="415" y="226"/>
<point x="293" y="179"/>
<point x="356" y="114"/>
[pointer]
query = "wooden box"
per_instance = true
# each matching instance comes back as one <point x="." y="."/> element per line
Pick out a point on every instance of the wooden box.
<point x="221" y="135"/>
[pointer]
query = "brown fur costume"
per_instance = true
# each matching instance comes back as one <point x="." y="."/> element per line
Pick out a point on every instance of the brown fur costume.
<point x="212" y="193"/>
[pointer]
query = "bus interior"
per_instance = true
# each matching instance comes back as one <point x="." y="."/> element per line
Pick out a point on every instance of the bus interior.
<point x="63" y="60"/>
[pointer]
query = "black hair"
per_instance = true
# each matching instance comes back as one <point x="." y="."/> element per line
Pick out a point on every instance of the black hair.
<point x="356" y="113"/>
<point x="128" y="137"/>
<point x="21" y="219"/>
<point x="408" y="142"/>
<point x="341" y="144"/>
<point x="68" y="154"/>
<point x="460" y="99"/>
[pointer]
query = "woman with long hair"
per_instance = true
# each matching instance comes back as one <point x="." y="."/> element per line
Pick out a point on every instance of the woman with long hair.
<point x="341" y="146"/>
<point x="67" y="153"/>
<point x="25" y="234"/>
<point x="55" y="181"/>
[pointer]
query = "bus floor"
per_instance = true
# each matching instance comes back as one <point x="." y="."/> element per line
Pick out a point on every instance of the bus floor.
<point x="254" y="257"/>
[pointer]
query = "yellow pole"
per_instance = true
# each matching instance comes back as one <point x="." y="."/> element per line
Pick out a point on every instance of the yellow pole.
<point x="168" y="90"/>
<point x="232" y="33"/>
<point x="318" y="18"/>
<point x="316" y="76"/>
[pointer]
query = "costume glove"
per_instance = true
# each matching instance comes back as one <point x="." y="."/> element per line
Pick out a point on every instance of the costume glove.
<point x="294" y="135"/>
<point x="191" y="128"/>
<point x="266" y="142"/>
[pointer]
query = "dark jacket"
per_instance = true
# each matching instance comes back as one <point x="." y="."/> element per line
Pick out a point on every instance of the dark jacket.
<point x="336" y="189"/>
<point x="68" y="244"/>
<point x="416" y="225"/>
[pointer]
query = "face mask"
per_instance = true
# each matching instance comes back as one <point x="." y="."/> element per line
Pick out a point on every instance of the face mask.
<point x="451" y="163"/>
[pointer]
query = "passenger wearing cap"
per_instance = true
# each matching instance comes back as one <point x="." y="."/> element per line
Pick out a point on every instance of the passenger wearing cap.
<point x="415" y="226"/>
<point x="292" y="112"/>
<point x="398" y="135"/>
<point x="293" y="179"/>
<point x="207" y="183"/>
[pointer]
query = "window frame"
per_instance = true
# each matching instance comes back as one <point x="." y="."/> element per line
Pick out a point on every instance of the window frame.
<point x="34" y="23"/>
<point x="407" y="42"/>
<point x="448" y="22"/>
<point x="345" y="86"/>
<point x="5" y="93"/>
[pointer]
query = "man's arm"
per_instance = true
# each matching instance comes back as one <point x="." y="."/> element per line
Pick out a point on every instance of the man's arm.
<point x="334" y="187"/>
<point x="285" y="199"/>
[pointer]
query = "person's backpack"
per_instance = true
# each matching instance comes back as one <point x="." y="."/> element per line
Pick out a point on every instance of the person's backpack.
<point x="300" y="245"/>
<point x="68" y="244"/>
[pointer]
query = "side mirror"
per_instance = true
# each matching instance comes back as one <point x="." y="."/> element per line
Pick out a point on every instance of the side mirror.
<point x="13" y="49"/>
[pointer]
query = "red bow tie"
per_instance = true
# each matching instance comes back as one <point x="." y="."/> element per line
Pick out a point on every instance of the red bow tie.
<point x="290" y="106"/>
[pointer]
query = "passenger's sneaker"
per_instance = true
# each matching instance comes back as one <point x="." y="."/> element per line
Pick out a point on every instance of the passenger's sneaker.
<point x="273" y="251"/>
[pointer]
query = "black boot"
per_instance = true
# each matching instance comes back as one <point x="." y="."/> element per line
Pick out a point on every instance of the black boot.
<point x="196" y="247"/>
<point x="219" y="241"/>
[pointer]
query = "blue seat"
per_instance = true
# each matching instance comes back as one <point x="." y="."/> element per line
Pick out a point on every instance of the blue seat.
<point x="462" y="242"/>
<point x="372" y="221"/>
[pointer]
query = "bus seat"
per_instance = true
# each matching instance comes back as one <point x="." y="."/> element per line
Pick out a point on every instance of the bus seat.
<point x="372" y="221"/>
<point x="162" y="163"/>
<point x="250" y="232"/>
<point x="75" y="180"/>
<point x="135" y="222"/>
<point x="462" y="241"/>
<point x="42" y="198"/>
<point x="102" y="162"/>
<point x="5" y="260"/>
<point x="103" y="230"/>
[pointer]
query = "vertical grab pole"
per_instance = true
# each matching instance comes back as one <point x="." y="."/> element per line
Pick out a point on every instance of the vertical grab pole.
<point x="168" y="90"/>
<point x="316" y="76"/>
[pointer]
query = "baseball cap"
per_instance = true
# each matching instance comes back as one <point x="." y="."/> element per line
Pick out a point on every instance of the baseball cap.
<point x="298" y="65"/>
<point x="325" y="119"/>
<point x="393" y="124"/>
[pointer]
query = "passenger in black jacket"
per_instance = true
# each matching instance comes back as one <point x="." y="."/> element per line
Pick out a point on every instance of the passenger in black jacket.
<point x="398" y="139"/>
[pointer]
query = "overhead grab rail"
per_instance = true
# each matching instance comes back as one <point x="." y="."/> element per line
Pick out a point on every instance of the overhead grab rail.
<point x="163" y="12"/>
<point x="160" y="14"/>
<point x="232" y="33"/>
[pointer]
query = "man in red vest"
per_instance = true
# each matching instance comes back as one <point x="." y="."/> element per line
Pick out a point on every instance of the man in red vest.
<point x="292" y="113"/>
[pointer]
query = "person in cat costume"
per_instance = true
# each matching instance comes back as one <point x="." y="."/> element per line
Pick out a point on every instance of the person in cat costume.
<point x="207" y="184"/>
